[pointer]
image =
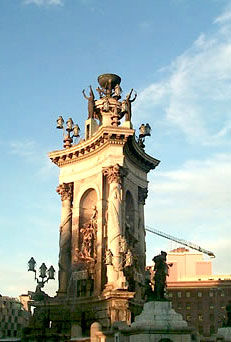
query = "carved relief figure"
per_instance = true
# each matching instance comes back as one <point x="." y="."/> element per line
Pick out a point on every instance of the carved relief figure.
<point x="108" y="257"/>
<point x="91" y="103"/>
<point x="123" y="245"/>
<point x="88" y="237"/>
<point x="106" y="105"/>
<point x="128" y="259"/>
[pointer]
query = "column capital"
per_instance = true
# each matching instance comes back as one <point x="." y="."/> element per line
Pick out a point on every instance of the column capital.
<point x="65" y="190"/>
<point x="115" y="173"/>
<point x="142" y="195"/>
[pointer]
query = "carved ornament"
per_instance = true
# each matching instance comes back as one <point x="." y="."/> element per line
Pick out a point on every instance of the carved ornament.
<point x="142" y="195"/>
<point x="65" y="190"/>
<point x="115" y="173"/>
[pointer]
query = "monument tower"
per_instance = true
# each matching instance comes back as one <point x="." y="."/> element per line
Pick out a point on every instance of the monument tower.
<point x="103" y="186"/>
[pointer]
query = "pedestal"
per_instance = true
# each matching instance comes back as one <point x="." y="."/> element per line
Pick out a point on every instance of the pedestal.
<point x="158" y="321"/>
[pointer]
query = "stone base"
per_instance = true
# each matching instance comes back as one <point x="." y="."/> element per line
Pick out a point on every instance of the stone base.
<point x="225" y="333"/>
<point x="158" y="320"/>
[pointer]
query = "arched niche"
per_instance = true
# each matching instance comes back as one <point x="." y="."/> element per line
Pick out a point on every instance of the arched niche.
<point x="87" y="204"/>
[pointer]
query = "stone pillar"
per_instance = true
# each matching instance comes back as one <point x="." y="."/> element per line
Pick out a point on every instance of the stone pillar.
<point x="66" y="192"/>
<point x="115" y="274"/>
<point x="142" y="195"/>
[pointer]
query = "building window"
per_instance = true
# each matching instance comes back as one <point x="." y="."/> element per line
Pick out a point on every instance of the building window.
<point x="170" y="295"/>
<point x="211" y="306"/>
<point x="222" y="294"/>
<point x="188" y="306"/>
<point x="188" y="294"/>
<point x="179" y="294"/>
<point x="200" y="317"/>
<point x="199" y="294"/>
<point x="210" y="294"/>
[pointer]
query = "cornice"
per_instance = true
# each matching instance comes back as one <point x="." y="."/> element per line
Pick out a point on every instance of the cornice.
<point x="138" y="157"/>
<point x="105" y="136"/>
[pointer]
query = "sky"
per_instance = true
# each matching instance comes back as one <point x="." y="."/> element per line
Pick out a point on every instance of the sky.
<point x="177" y="55"/>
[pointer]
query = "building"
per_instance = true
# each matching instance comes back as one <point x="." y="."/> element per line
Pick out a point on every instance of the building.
<point x="196" y="293"/>
<point x="13" y="317"/>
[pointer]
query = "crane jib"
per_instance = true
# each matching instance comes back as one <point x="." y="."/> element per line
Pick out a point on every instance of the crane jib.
<point x="180" y="241"/>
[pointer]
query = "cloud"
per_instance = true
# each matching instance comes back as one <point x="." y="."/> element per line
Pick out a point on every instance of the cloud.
<point x="44" y="2"/>
<point x="23" y="148"/>
<point x="31" y="152"/>
<point x="193" y="203"/>
<point x="194" y="95"/>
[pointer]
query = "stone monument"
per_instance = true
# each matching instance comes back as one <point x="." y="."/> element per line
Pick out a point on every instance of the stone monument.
<point x="103" y="187"/>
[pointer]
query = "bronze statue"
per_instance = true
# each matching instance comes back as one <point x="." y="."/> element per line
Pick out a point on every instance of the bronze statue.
<point x="161" y="272"/>
<point x="128" y="106"/>
<point x="91" y="103"/>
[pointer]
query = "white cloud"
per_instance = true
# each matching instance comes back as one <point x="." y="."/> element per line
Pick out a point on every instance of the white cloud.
<point x="31" y="152"/>
<point x="194" y="97"/>
<point x="193" y="203"/>
<point x="23" y="148"/>
<point x="44" y="2"/>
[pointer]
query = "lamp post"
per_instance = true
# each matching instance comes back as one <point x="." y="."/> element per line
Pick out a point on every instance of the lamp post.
<point x="70" y="127"/>
<point x="44" y="273"/>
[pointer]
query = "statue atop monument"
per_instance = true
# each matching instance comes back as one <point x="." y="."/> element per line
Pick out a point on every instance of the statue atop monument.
<point x="161" y="272"/>
<point x="91" y="103"/>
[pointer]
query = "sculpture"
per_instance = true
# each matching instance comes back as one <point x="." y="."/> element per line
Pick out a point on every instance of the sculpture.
<point x="128" y="259"/>
<point x="161" y="272"/>
<point x="88" y="236"/>
<point x="106" y="90"/>
<point x="108" y="257"/>
<point x="117" y="92"/>
<point x="106" y="105"/>
<point x="91" y="103"/>
<point x="128" y="100"/>
<point x="148" y="292"/>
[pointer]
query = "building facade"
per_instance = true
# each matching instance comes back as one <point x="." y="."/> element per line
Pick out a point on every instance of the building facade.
<point x="13" y="317"/>
<point x="196" y="293"/>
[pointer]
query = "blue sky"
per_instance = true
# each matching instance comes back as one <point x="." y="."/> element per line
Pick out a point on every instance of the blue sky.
<point x="177" y="55"/>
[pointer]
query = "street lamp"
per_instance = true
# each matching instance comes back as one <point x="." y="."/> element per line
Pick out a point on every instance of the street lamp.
<point x="144" y="131"/>
<point x="70" y="127"/>
<point x="44" y="274"/>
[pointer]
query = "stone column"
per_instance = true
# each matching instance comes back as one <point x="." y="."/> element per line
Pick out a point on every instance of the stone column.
<point x="142" y="195"/>
<point x="115" y="274"/>
<point x="66" y="192"/>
